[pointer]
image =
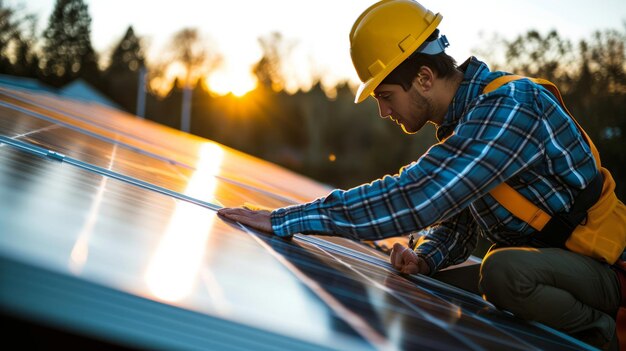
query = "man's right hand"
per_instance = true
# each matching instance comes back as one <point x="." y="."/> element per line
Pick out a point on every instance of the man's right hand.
<point x="407" y="261"/>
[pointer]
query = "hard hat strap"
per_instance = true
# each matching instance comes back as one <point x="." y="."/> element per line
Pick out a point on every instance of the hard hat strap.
<point x="434" y="47"/>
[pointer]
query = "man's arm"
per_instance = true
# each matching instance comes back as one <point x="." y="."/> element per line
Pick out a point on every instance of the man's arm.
<point x="449" y="242"/>
<point x="495" y="140"/>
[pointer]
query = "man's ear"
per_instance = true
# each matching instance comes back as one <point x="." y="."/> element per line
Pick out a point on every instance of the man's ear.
<point x="424" y="78"/>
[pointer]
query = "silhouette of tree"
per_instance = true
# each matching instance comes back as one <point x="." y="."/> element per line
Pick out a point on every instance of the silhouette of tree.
<point x="164" y="109"/>
<point x="17" y="38"/>
<point x="189" y="50"/>
<point x="602" y="109"/>
<point x="269" y="70"/>
<point x="26" y="58"/>
<point x="194" y="52"/>
<point x="608" y="52"/>
<point x="67" y="52"/>
<point x="535" y="55"/>
<point x="122" y="76"/>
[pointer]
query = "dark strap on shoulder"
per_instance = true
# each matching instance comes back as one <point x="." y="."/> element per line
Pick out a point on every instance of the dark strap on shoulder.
<point x="556" y="232"/>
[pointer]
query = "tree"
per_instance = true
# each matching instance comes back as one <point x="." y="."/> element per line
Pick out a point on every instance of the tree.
<point x="601" y="100"/>
<point x="67" y="51"/>
<point x="190" y="51"/>
<point x="535" y="55"/>
<point x="122" y="76"/>
<point x="269" y="70"/>
<point x="608" y="52"/>
<point x="17" y="40"/>
<point x="26" y="59"/>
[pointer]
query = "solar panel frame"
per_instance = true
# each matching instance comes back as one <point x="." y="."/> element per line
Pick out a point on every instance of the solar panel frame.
<point x="58" y="164"/>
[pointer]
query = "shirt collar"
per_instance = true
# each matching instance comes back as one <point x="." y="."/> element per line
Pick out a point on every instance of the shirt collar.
<point x="475" y="77"/>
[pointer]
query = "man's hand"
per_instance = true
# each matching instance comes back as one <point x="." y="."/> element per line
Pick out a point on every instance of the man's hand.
<point x="259" y="220"/>
<point x="407" y="261"/>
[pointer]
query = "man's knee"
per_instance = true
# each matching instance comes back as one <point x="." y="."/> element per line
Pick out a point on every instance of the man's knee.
<point x="502" y="281"/>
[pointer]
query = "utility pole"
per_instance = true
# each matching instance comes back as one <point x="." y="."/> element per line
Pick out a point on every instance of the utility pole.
<point x="141" y="93"/>
<point x="185" y="114"/>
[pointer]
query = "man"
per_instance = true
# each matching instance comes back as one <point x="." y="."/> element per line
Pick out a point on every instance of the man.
<point x="517" y="134"/>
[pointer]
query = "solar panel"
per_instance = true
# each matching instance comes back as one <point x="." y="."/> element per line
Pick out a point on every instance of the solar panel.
<point x="109" y="231"/>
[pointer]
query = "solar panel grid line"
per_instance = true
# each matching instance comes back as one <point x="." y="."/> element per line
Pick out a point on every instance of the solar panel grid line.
<point x="103" y="138"/>
<point x="186" y="177"/>
<point x="56" y="115"/>
<point x="35" y="102"/>
<point x="141" y="183"/>
<point x="423" y="314"/>
<point x="449" y="290"/>
<point x="575" y="344"/>
<point x="579" y="345"/>
<point x="242" y="185"/>
<point x="103" y="171"/>
<point x="564" y="343"/>
<point x="32" y="149"/>
<point x="385" y="264"/>
<point x="375" y="283"/>
<point x="355" y="321"/>
<point x="18" y="136"/>
<point x="170" y="160"/>
<point x="519" y="343"/>
<point x="94" y="120"/>
<point x="91" y="120"/>
<point x="493" y="339"/>
<point x="93" y="134"/>
<point x="177" y="170"/>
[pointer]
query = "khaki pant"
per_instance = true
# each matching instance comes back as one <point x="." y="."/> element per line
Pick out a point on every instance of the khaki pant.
<point x="561" y="289"/>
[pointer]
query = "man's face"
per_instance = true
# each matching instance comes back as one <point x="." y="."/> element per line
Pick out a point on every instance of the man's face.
<point x="409" y="109"/>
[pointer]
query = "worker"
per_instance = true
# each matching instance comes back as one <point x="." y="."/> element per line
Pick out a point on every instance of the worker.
<point x="517" y="133"/>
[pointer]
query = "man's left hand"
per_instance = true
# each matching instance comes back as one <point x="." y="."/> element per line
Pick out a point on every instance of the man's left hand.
<point x="407" y="261"/>
<point x="259" y="220"/>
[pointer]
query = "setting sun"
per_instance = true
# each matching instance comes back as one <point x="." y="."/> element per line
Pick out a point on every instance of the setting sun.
<point x="237" y="83"/>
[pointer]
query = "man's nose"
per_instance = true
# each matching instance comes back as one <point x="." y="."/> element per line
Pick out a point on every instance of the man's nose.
<point x="383" y="110"/>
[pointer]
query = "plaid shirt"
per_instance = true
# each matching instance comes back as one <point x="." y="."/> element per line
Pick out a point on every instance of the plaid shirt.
<point x="518" y="133"/>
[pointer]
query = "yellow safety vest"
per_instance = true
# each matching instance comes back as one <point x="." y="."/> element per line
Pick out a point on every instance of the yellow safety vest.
<point x="603" y="234"/>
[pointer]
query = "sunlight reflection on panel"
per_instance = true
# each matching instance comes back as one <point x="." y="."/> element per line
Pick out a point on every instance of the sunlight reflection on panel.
<point x="172" y="271"/>
<point x="80" y="251"/>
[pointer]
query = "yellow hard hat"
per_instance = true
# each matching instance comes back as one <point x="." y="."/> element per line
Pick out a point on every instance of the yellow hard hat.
<point x="385" y="35"/>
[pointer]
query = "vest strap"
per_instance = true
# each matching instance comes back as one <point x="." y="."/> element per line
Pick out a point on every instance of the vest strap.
<point x="551" y="230"/>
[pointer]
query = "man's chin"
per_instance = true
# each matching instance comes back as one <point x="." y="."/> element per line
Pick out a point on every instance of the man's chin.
<point x="407" y="131"/>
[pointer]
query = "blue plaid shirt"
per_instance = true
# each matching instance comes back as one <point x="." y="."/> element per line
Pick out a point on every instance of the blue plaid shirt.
<point x="517" y="133"/>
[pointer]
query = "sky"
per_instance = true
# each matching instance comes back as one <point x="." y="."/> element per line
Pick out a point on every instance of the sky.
<point x="320" y="28"/>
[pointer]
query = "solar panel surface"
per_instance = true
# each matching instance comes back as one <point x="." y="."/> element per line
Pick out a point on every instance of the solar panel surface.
<point x="109" y="230"/>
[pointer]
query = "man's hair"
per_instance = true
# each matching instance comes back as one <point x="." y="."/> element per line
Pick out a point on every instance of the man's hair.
<point x="442" y="64"/>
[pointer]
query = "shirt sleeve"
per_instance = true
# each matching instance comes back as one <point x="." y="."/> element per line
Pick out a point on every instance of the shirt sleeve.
<point x="449" y="242"/>
<point x="495" y="139"/>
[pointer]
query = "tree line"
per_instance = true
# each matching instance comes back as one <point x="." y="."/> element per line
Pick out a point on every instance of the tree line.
<point x="318" y="132"/>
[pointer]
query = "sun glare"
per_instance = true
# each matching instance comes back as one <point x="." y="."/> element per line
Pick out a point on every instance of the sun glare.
<point x="163" y="84"/>
<point x="237" y="83"/>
